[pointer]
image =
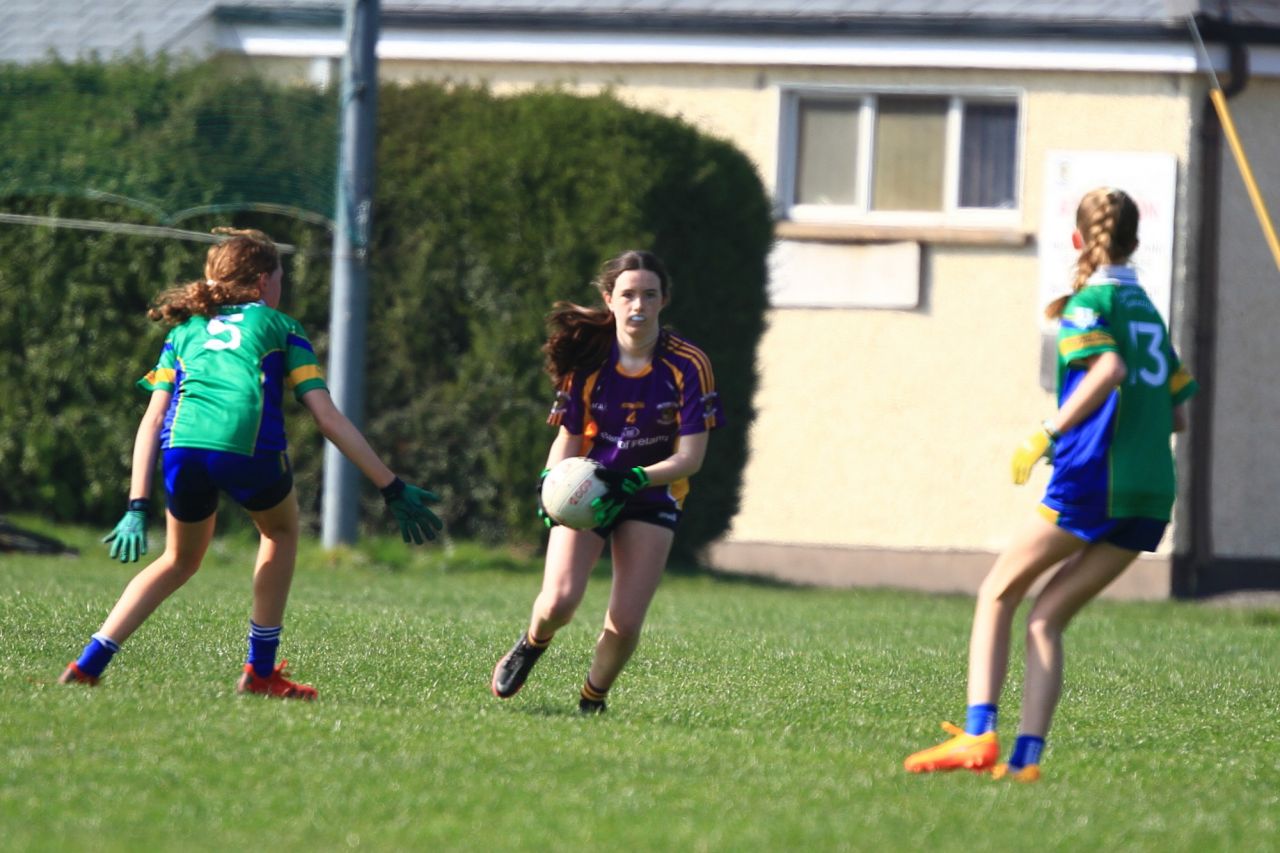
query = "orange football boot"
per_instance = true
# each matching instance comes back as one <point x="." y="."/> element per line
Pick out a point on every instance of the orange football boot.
<point x="1030" y="773"/>
<point x="276" y="684"/>
<point x="970" y="752"/>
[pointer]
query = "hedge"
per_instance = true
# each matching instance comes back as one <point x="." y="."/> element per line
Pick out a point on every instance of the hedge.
<point x="487" y="210"/>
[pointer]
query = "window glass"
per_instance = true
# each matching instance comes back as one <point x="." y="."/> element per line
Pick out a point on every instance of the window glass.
<point x="988" y="155"/>
<point x="827" y="148"/>
<point x="910" y="154"/>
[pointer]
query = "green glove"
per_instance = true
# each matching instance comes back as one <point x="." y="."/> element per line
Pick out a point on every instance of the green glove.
<point x="547" y="521"/>
<point x="129" y="538"/>
<point x="622" y="485"/>
<point x="408" y="504"/>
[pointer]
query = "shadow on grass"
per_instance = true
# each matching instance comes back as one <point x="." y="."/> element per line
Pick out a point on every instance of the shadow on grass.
<point x="1264" y="618"/>
<point x="556" y="712"/>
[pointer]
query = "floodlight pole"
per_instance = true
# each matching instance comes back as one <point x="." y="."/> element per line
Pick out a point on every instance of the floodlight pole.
<point x="348" y="304"/>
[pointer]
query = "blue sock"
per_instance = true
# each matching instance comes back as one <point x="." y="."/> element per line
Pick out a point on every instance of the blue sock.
<point x="97" y="654"/>
<point x="980" y="719"/>
<point x="263" y="643"/>
<point x="1026" y="751"/>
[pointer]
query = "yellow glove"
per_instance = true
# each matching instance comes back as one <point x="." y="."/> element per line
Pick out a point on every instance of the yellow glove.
<point x="1034" y="446"/>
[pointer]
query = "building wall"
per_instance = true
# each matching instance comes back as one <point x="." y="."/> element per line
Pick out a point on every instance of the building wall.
<point x="891" y="430"/>
<point x="1246" y="457"/>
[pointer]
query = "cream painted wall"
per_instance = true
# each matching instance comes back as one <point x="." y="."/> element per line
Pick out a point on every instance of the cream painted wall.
<point x="931" y="402"/>
<point x="898" y="424"/>
<point x="1246" y="454"/>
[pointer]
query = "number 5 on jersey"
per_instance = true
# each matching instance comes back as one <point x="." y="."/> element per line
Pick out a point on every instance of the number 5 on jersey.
<point x="219" y="325"/>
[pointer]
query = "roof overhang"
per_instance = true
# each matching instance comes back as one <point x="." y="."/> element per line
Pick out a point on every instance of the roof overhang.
<point x="745" y="40"/>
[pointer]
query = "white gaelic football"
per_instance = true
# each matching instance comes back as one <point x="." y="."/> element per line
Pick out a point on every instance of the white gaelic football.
<point x="569" y="489"/>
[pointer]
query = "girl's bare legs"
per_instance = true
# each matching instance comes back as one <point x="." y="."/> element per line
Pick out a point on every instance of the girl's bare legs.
<point x="640" y="553"/>
<point x="571" y="555"/>
<point x="272" y="578"/>
<point x="185" y="546"/>
<point x="277" y="556"/>
<point x="1070" y="589"/>
<point x="1037" y="547"/>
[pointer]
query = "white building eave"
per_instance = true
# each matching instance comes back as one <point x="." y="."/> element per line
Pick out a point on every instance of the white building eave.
<point x="566" y="47"/>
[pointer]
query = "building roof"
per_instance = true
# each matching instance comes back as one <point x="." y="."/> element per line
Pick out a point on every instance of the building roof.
<point x="34" y="29"/>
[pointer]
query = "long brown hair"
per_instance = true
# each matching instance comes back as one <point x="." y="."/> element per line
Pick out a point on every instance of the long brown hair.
<point x="580" y="337"/>
<point x="232" y="271"/>
<point x="1107" y="220"/>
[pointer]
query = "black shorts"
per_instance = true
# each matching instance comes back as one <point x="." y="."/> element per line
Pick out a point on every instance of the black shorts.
<point x="662" y="516"/>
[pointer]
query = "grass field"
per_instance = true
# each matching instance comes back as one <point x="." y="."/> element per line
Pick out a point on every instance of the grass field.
<point x="754" y="717"/>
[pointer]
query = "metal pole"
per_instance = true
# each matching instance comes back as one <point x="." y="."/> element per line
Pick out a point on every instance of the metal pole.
<point x="349" y="298"/>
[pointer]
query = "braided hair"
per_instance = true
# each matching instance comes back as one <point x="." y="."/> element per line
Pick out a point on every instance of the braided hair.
<point x="1107" y="220"/>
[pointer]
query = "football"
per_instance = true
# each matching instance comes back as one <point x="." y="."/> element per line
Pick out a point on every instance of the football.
<point x="568" y="491"/>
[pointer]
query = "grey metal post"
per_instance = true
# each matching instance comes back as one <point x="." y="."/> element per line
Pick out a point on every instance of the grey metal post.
<point x="349" y="298"/>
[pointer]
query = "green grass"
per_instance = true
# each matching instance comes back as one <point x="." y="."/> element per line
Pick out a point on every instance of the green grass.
<point x="754" y="717"/>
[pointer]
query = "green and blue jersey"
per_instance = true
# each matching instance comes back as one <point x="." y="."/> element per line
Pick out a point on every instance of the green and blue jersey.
<point x="228" y="374"/>
<point x="1120" y="458"/>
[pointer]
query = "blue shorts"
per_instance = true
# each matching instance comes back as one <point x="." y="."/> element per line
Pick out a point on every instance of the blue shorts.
<point x="663" y="516"/>
<point x="194" y="476"/>
<point x="1134" y="533"/>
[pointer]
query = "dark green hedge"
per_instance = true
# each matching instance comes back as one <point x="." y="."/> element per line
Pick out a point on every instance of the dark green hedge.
<point x="487" y="210"/>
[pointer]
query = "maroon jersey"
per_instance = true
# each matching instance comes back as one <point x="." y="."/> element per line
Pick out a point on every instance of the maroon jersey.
<point x="630" y="420"/>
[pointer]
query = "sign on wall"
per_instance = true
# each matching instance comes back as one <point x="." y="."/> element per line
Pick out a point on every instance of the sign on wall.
<point x="1149" y="178"/>
<point x="832" y="275"/>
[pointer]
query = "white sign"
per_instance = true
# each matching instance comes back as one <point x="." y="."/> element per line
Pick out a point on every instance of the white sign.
<point x="1150" y="179"/>
<point x="830" y="275"/>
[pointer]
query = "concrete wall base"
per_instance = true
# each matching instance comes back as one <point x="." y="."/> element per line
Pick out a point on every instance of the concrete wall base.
<point x="1148" y="579"/>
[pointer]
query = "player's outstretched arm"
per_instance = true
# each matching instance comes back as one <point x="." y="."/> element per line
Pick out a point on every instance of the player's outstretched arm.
<point x="129" y="537"/>
<point x="407" y="503"/>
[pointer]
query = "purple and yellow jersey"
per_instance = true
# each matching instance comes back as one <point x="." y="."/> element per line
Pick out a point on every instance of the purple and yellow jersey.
<point x="637" y="419"/>
<point x="1118" y="462"/>
<point x="227" y="375"/>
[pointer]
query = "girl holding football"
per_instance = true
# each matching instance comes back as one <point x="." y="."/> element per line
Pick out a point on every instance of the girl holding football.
<point x="1121" y="390"/>
<point x="215" y="417"/>
<point x="641" y="400"/>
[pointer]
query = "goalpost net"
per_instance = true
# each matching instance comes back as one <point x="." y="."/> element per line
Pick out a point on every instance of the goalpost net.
<point x="152" y="147"/>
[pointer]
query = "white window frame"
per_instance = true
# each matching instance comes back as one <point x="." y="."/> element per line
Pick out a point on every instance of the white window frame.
<point x="860" y="212"/>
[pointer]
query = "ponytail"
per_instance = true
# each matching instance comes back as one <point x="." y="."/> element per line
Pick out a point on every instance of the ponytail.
<point x="233" y="269"/>
<point x="580" y="338"/>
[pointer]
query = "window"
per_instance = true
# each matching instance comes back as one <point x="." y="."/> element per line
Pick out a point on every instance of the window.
<point x="898" y="157"/>
<point x="910" y="150"/>
<point x="828" y="148"/>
